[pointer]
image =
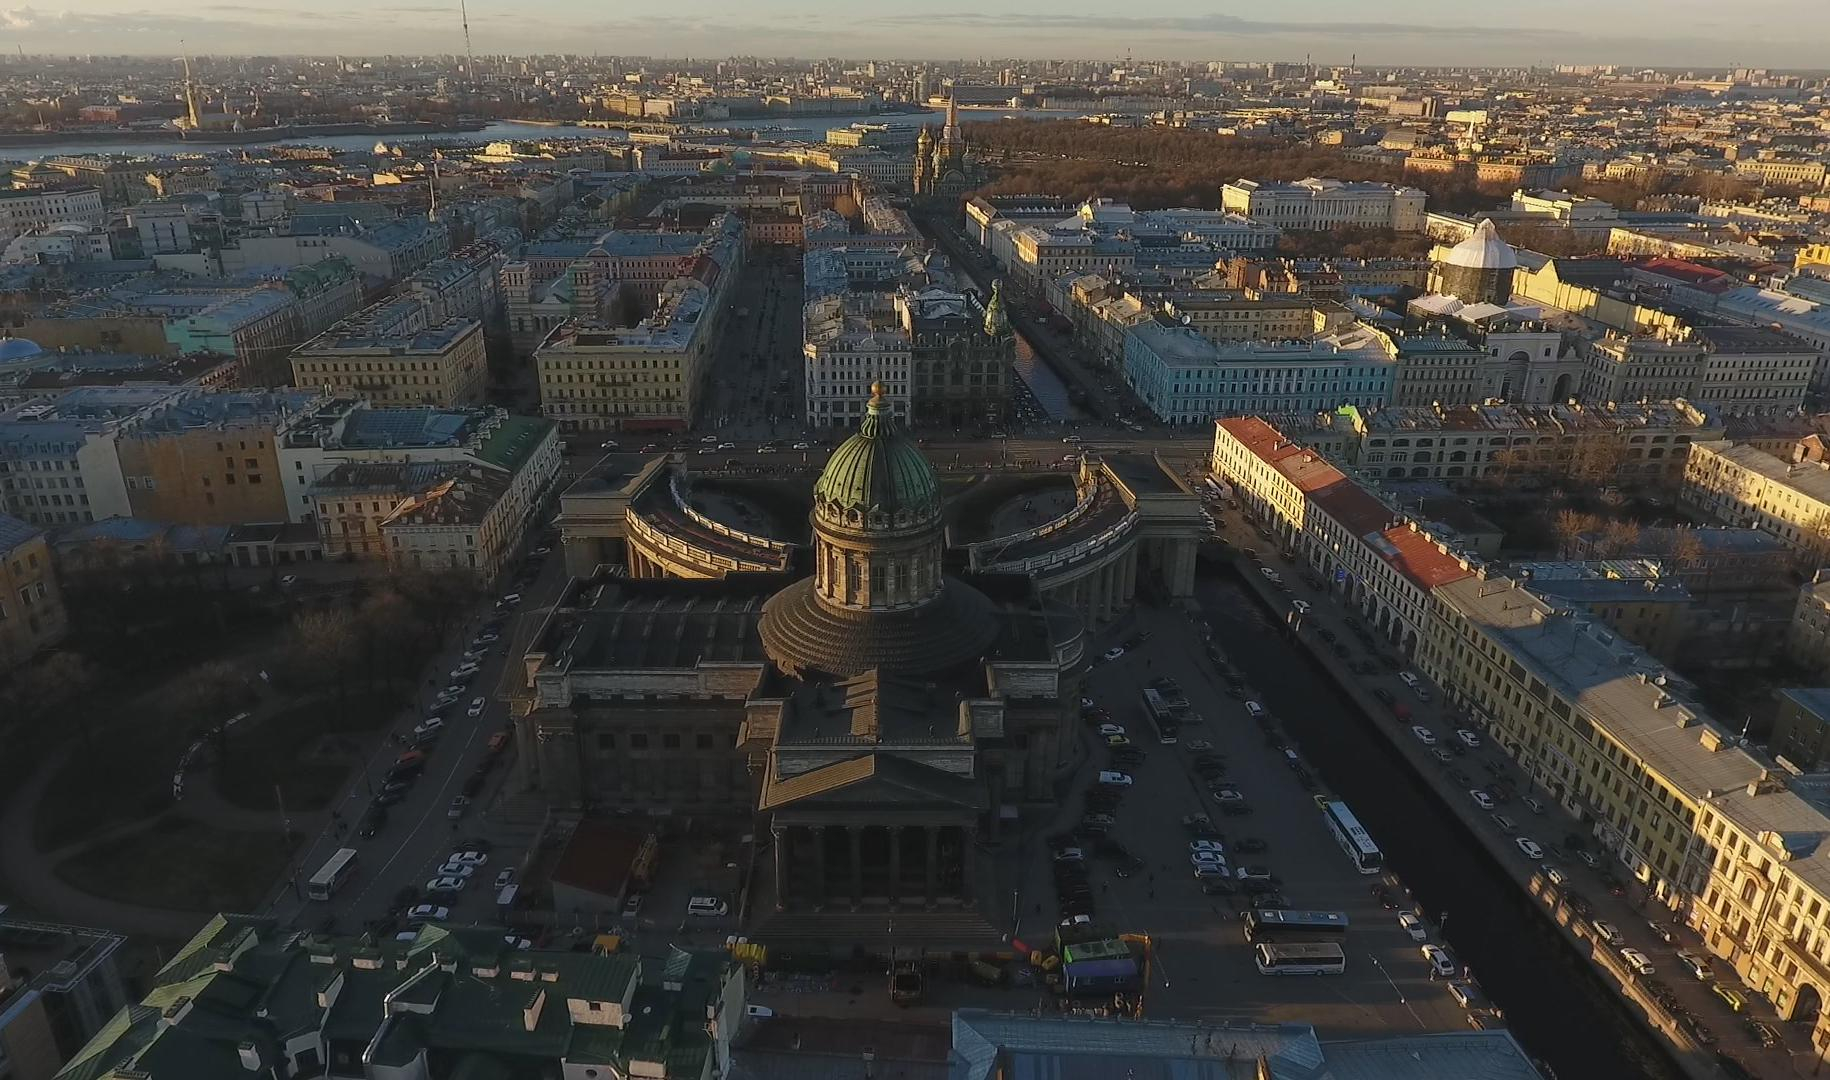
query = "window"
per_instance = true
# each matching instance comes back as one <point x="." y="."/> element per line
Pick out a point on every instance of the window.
<point x="638" y="741"/>
<point x="670" y="741"/>
<point x="703" y="741"/>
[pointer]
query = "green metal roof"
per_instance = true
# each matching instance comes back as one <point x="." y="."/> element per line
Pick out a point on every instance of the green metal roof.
<point x="878" y="471"/>
<point x="513" y="441"/>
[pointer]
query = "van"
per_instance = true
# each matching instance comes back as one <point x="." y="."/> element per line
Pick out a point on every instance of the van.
<point x="709" y="907"/>
<point x="1254" y="710"/>
<point x="1735" y="999"/>
<point x="1505" y="824"/>
<point x="1291" y="759"/>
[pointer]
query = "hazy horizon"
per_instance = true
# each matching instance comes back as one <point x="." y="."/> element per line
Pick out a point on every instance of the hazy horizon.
<point x="1637" y="33"/>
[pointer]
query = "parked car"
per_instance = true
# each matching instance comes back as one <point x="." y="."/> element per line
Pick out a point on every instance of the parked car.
<point x="505" y="879"/>
<point x="1469" y="739"/>
<point x="710" y="907"/>
<point x="1424" y="735"/>
<point x="1115" y="779"/>
<point x="1482" y="799"/>
<point x="1529" y="849"/>
<point x="1608" y="932"/>
<point x="424" y="913"/>
<point x="476" y="707"/>
<point x="1637" y="961"/>
<point x="1441" y="961"/>
<point x="445" y="885"/>
<point x="1411" y="923"/>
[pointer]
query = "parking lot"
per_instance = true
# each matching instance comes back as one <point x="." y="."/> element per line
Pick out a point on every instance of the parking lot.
<point x="1261" y="810"/>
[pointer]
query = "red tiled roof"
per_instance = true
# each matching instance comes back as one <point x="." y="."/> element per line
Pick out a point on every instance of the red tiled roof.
<point x="1353" y="507"/>
<point x="1260" y="438"/>
<point x="1417" y="557"/>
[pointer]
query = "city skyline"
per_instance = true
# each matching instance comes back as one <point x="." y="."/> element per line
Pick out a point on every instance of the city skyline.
<point x="1770" y="33"/>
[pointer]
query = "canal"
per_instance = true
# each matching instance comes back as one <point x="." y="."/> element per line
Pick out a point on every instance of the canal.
<point x="1555" y="1003"/>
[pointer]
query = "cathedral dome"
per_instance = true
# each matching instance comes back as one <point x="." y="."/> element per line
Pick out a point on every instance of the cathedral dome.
<point x="878" y="478"/>
<point x="1483" y="251"/>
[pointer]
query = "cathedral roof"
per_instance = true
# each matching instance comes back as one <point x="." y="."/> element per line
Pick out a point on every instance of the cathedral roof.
<point x="1483" y="251"/>
<point x="878" y="477"/>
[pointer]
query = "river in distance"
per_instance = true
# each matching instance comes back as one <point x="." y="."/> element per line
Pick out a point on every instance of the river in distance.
<point x="800" y="128"/>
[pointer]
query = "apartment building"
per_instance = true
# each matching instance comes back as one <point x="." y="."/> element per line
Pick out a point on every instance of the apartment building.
<point x="596" y="377"/>
<point x="853" y="343"/>
<point x="1603" y="444"/>
<point x="58" y="461"/>
<point x="28" y="210"/>
<point x="1808" y="634"/>
<point x="383" y="253"/>
<point x="1221" y="316"/>
<point x="1314" y="203"/>
<point x="1382" y="564"/>
<point x="209" y="458"/>
<point x="463" y="522"/>
<point x="1184" y="378"/>
<point x="1707" y="829"/>
<point x="1738" y="485"/>
<point x="59" y="986"/>
<point x="1441" y="368"/>
<point x="441" y="363"/>
<point x="1801" y="727"/>
<point x="32" y="615"/>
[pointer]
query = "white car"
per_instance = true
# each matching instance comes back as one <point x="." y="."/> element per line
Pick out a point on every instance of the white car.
<point x="1469" y="739"/>
<point x="1071" y="854"/>
<point x="1529" y="849"/>
<point x="456" y="870"/>
<point x="428" y="913"/>
<point x="505" y="879"/>
<point x="1269" y="574"/>
<point x="1106" y="731"/>
<point x="1113" y="653"/>
<point x="1557" y="876"/>
<point x="1424" y="734"/>
<point x="607" y="444"/>
<point x="476" y="707"/>
<point x="459" y="804"/>
<point x="709" y="907"/>
<point x="1638" y="962"/>
<point x="1301" y="606"/>
<point x="461" y="676"/>
<point x="1481" y="799"/>
<point x="445" y="885"/>
<point x="1254" y="710"/>
<point x="432" y="726"/>
<point x="802" y="446"/>
<point x="469" y="858"/>
<point x="1207" y="860"/>
<point x="518" y="943"/>
<point x="1609" y="932"/>
<point x="1411" y="923"/>
<point x="1115" y="779"/>
<point x="1199" y="745"/>
<point x="510" y="600"/>
<point x="713" y="439"/>
<point x="1214" y="846"/>
<point x="1408" y="678"/>
<point x="289" y="581"/>
<point x="1442" y="962"/>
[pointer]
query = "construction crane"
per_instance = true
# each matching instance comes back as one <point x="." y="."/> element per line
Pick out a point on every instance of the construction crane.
<point x="470" y="60"/>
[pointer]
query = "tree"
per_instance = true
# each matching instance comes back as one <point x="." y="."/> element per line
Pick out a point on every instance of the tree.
<point x="1570" y="526"/>
<point x="1686" y="555"/>
<point x="322" y="643"/>
<point x="1618" y="537"/>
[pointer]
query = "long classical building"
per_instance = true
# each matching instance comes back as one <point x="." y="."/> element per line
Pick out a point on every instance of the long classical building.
<point x="1726" y="838"/>
<point x="1739" y="485"/>
<point x="877" y="680"/>
<point x="1326" y="204"/>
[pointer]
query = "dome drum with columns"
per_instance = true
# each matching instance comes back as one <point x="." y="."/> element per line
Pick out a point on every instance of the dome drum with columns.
<point x="879" y="596"/>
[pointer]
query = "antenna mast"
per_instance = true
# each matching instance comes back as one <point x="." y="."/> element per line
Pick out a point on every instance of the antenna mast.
<point x="190" y="93"/>
<point x="470" y="60"/>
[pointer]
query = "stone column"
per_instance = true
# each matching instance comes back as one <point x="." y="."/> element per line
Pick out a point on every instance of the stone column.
<point x="780" y="833"/>
<point x="817" y="833"/>
<point x="856" y="835"/>
<point x="932" y="867"/>
<point x="895" y="865"/>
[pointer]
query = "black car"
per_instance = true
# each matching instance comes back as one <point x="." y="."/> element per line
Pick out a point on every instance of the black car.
<point x="372" y="822"/>
<point x="1249" y="845"/>
<point x="1385" y="898"/>
<point x="387" y="798"/>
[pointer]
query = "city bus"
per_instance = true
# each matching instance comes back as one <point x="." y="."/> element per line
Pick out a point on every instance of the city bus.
<point x="331" y="876"/>
<point x="1278" y="925"/>
<point x="1353" y="838"/>
<point x="1308" y="958"/>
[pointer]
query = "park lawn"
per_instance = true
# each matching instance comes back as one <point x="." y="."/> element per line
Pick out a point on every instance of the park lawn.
<point x="276" y="750"/>
<point x="223" y="870"/>
<point x="115" y="776"/>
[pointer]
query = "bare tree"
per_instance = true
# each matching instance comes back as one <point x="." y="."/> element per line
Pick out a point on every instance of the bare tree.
<point x="323" y="642"/>
<point x="1619" y="537"/>
<point x="1570" y="526"/>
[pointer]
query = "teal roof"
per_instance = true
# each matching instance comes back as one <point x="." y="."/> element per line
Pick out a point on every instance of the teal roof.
<point x="513" y="441"/>
<point x="878" y="477"/>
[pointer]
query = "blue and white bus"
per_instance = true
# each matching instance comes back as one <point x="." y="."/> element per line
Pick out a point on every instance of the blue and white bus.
<point x="1275" y="925"/>
<point x="1353" y="838"/>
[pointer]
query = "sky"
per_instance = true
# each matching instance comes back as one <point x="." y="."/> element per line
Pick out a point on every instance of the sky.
<point x="1702" y="33"/>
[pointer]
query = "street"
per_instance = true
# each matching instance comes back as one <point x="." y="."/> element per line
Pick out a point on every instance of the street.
<point x="418" y="834"/>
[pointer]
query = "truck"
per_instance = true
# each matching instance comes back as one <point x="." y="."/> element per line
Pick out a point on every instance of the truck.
<point x="907" y="977"/>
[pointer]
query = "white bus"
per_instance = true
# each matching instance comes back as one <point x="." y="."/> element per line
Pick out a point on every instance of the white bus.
<point x="1353" y="838"/>
<point x="1307" y="958"/>
<point x="331" y="876"/>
